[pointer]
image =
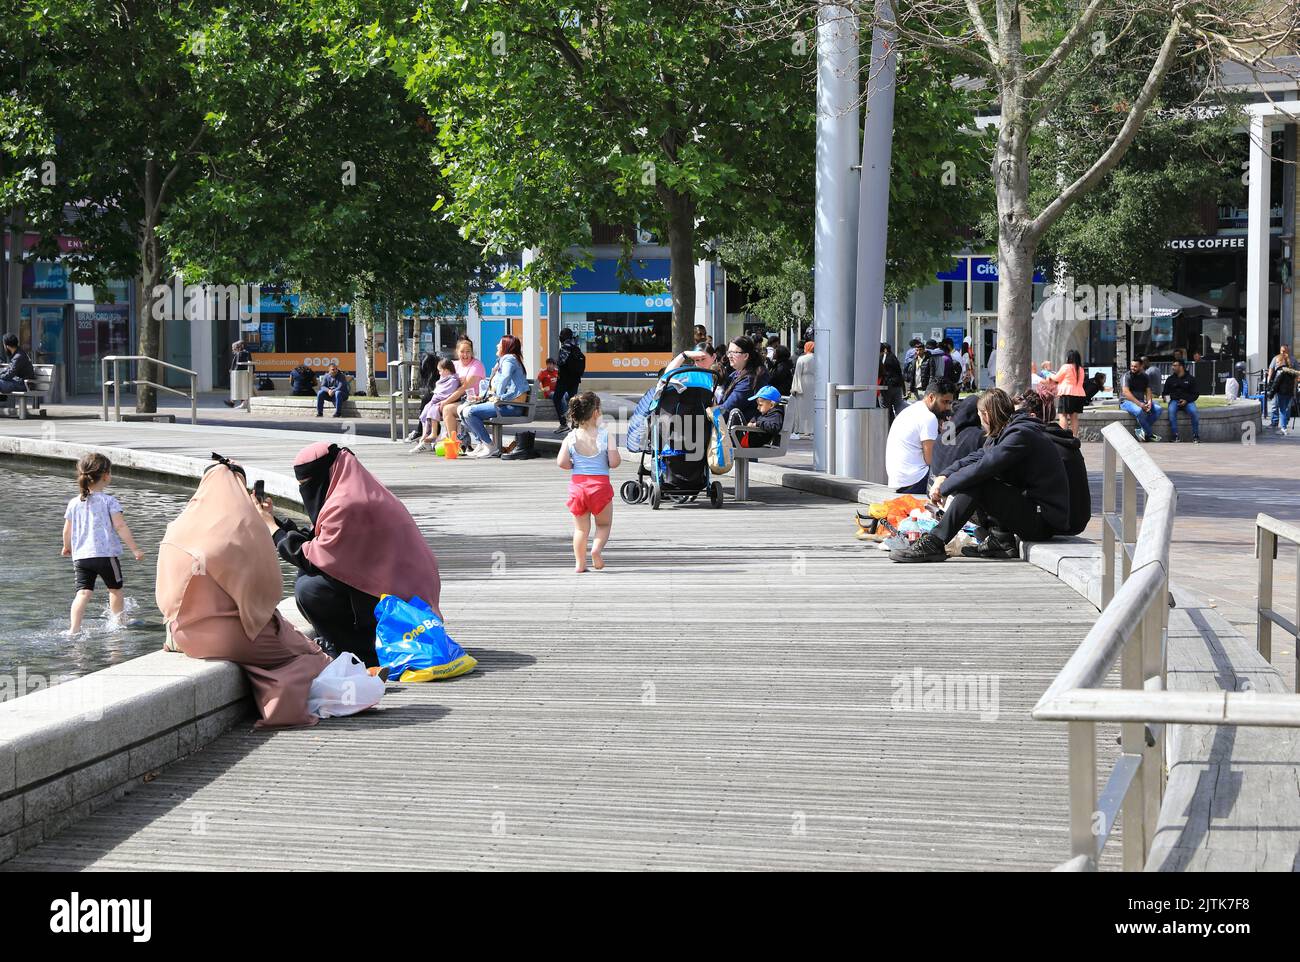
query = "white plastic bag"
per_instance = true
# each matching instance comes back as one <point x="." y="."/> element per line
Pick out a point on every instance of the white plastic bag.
<point x="344" y="688"/>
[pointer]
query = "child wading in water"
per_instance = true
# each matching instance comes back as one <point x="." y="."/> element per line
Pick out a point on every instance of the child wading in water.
<point x="587" y="451"/>
<point x="91" y="529"/>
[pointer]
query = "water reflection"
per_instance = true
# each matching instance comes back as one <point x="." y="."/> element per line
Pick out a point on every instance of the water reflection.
<point x="38" y="581"/>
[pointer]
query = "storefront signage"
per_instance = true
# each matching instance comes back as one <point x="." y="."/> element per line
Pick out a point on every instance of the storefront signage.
<point x="1214" y="242"/>
<point x="981" y="269"/>
<point x="628" y="303"/>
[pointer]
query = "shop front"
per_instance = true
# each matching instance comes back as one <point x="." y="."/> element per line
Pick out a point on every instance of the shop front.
<point x="73" y="326"/>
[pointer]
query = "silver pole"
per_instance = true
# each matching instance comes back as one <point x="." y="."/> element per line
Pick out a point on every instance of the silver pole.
<point x="401" y="380"/>
<point x="873" y="202"/>
<point x="832" y="402"/>
<point x="194" y="399"/>
<point x="835" y="234"/>
<point x="117" y="391"/>
<point x="103" y="385"/>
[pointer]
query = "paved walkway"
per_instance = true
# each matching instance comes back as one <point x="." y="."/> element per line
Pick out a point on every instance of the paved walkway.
<point x="730" y="693"/>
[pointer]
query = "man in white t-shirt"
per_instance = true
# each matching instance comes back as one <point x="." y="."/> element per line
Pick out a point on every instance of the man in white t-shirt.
<point x="912" y="437"/>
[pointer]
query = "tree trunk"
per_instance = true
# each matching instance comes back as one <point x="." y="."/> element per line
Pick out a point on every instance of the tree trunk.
<point x="372" y="330"/>
<point x="1015" y="313"/>
<point x="148" y="327"/>
<point x="681" y="245"/>
<point x="14" y="287"/>
<point x="1017" y="245"/>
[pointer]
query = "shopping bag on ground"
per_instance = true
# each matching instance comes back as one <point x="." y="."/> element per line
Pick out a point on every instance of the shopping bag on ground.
<point x="413" y="645"/>
<point x="344" y="687"/>
<point x="719" y="446"/>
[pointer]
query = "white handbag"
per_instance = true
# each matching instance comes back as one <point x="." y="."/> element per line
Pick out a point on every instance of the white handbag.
<point x="344" y="687"/>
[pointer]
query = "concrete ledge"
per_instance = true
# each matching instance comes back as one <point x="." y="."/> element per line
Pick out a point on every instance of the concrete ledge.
<point x="817" y="482"/>
<point x="67" y="749"/>
<point x="149" y="464"/>
<point x="1218" y="424"/>
<point x="1075" y="561"/>
<point x="372" y="408"/>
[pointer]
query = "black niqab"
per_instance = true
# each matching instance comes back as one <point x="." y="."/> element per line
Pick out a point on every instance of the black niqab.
<point x="314" y="481"/>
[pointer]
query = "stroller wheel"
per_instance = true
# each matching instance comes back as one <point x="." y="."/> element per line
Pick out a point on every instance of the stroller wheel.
<point x="630" y="492"/>
<point x="655" y="498"/>
<point x="715" y="494"/>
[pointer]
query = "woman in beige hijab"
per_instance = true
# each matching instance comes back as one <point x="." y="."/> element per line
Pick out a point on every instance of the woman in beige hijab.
<point x="218" y="586"/>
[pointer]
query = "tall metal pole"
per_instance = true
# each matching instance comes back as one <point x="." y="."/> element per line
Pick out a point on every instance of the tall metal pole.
<point x="873" y="203"/>
<point x="835" y="235"/>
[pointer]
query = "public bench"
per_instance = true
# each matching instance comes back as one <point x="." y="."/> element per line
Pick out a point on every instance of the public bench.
<point x="32" y="399"/>
<point x="743" y="456"/>
<point x="501" y="421"/>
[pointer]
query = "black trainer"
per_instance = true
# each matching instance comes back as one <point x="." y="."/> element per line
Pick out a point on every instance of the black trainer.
<point x="992" y="549"/>
<point x="927" y="548"/>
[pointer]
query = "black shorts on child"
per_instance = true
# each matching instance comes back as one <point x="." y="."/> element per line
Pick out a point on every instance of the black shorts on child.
<point x="87" y="569"/>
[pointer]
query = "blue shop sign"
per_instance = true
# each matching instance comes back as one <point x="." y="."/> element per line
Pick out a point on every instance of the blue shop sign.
<point x="629" y="303"/>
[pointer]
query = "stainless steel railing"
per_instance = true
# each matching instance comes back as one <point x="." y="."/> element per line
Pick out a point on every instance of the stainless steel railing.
<point x="116" y="382"/>
<point x="402" y="392"/>
<point x="1132" y="628"/>
<point x="1268" y="530"/>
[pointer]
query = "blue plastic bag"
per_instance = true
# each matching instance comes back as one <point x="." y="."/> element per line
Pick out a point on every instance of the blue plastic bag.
<point x="412" y="643"/>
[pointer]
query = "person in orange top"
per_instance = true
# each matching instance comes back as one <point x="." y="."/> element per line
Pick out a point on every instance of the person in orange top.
<point x="548" y="378"/>
<point x="1070" y="393"/>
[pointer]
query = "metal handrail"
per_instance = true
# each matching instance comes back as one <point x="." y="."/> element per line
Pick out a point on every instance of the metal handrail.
<point x="1132" y="627"/>
<point x="833" y="392"/>
<point x="117" y="382"/>
<point x="402" y="390"/>
<point x="1268" y="530"/>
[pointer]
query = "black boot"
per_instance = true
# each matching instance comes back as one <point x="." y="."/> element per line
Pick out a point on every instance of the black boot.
<point x="927" y="548"/>
<point x="524" y="449"/>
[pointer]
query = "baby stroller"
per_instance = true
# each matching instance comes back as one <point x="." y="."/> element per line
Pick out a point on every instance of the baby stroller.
<point x="671" y="428"/>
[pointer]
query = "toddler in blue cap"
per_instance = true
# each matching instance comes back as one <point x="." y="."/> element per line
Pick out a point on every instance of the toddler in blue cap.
<point x="768" y="420"/>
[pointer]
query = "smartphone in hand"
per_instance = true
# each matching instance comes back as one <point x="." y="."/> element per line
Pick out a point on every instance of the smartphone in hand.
<point x="259" y="492"/>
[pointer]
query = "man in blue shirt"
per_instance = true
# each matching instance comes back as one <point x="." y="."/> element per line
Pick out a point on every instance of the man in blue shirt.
<point x="333" y="386"/>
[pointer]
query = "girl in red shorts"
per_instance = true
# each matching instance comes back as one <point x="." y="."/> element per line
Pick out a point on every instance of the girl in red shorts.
<point x="587" y="452"/>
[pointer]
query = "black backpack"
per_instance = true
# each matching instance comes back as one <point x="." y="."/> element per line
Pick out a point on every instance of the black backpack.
<point x="573" y="363"/>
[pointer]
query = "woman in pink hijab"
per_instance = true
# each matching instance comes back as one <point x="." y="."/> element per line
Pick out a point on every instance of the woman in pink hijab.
<point x="363" y="543"/>
<point x="218" y="586"/>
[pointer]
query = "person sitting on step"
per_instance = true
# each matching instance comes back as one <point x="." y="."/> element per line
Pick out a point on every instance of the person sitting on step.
<point x="1017" y="477"/>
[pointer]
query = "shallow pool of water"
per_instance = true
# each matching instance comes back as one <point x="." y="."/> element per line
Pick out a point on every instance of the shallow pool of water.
<point x="37" y="580"/>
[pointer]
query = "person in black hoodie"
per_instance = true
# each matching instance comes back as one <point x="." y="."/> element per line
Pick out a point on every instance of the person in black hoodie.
<point x="891" y="379"/>
<point x="1076" y="469"/>
<point x="1017" y="477"/>
<point x="958" y="436"/>
<point x="780" y="369"/>
<point x="1180" y="387"/>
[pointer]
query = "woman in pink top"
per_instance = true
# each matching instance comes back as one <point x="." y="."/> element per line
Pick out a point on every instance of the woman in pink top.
<point x="470" y="371"/>
<point x="1070" y="395"/>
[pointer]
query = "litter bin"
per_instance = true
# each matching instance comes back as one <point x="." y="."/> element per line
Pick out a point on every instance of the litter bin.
<point x="860" y="435"/>
<point x="241" y="384"/>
